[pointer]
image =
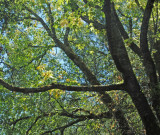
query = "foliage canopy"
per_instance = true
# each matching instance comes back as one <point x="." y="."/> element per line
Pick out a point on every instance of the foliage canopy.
<point x="80" y="67"/>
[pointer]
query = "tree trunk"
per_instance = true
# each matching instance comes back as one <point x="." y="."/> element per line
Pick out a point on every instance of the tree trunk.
<point x="142" y="106"/>
<point x="121" y="59"/>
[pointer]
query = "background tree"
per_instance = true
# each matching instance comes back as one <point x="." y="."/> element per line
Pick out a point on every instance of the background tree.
<point x="80" y="67"/>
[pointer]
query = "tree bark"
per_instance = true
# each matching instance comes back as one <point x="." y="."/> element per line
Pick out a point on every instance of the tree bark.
<point x="121" y="59"/>
<point x="149" y="64"/>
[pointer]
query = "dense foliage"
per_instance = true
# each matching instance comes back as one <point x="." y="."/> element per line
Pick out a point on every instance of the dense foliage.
<point x="80" y="67"/>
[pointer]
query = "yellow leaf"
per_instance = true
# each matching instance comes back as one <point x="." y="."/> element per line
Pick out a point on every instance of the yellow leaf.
<point x="113" y="125"/>
<point x="64" y="22"/>
<point x="60" y="76"/>
<point x="91" y="52"/>
<point x="35" y="24"/>
<point x="57" y="95"/>
<point x="80" y="22"/>
<point x="59" y="9"/>
<point x="38" y="68"/>
<point x="92" y="28"/>
<point x="41" y="67"/>
<point x="47" y="74"/>
<point x="51" y="91"/>
<point x="154" y="51"/>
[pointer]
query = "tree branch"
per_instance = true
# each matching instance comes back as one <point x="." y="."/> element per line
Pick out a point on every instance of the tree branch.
<point x="52" y="33"/>
<point x="81" y="118"/>
<point x="51" y="19"/>
<point x="96" y="24"/>
<point x="23" y="118"/>
<point x="147" y="59"/>
<point x="27" y="132"/>
<point x="138" y="4"/>
<point x="95" y="6"/>
<point x="38" y="18"/>
<point x="133" y="46"/>
<point x="95" y="88"/>
<point x="90" y="115"/>
<point x="66" y="36"/>
<point x="63" y="127"/>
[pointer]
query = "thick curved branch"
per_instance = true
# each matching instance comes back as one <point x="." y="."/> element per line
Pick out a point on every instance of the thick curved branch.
<point x="147" y="59"/>
<point x="95" y="88"/>
<point x="145" y="24"/>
